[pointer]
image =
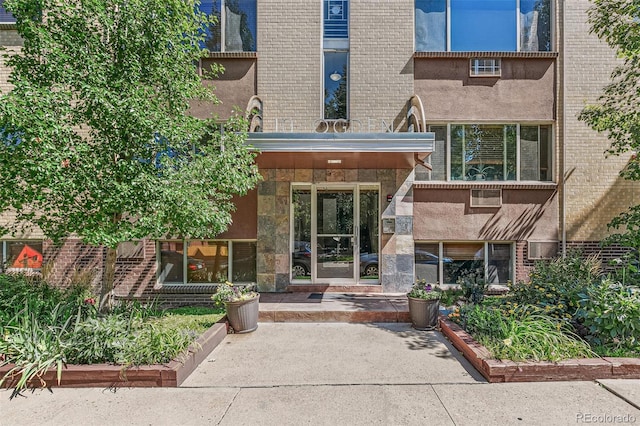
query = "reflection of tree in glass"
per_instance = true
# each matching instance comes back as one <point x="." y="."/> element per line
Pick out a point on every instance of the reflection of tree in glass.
<point x="543" y="7"/>
<point x="302" y="215"/>
<point x="368" y="221"/>
<point x="344" y="205"/>
<point x="335" y="106"/>
<point x="233" y="10"/>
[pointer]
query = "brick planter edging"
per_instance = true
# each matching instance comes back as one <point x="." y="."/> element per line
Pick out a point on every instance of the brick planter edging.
<point x="156" y="375"/>
<point x="497" y="371"/>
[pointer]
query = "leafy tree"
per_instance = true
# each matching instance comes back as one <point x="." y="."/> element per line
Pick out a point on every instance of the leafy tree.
<point x="617" y="22"/>
<point x="97" y="137"/>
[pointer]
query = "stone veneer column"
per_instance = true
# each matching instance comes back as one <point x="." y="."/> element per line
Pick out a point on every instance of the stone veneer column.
<point x="281" y="238"/>
<point x="265" y="249"/>
<point x="273" y="230"/>
<point x="397" y="266"/>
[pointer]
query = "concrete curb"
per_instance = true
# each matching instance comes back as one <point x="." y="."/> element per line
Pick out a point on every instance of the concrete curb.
<point x="497" y="371"/>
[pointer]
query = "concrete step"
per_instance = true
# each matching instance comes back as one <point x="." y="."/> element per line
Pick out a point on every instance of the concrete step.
<point x="326" y="288"/>
<point x="333" y="307"/>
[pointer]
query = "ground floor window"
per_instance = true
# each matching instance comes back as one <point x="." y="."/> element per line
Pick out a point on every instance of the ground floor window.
<point x="206" y="261"/>
<point x="446" y="262"/>
<point x="20" y="254"/>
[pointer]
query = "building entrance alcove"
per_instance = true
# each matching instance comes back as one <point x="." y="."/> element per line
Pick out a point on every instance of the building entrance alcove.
<point x="335" y="233"/>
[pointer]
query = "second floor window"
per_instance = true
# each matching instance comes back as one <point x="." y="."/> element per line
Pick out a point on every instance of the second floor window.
<point x="492" y="152"/>
<point x="235" y="30"/>
<point x="487" y="26"/>
<point x="336" y="59"/>
<point x="5" y="16"/>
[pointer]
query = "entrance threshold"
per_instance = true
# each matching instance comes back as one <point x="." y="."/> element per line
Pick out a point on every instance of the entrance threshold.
<point x="333" y="307"/>
<point x="334" y="288"/>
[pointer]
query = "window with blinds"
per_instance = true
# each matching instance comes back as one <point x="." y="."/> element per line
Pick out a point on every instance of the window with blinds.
<point x="499" y="152"/>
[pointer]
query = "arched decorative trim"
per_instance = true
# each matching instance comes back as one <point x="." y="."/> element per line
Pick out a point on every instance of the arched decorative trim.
<point x="415" y="115"/>
<point x="253" y="113"/>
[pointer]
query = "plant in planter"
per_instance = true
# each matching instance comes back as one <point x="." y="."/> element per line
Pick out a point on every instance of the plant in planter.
<point x="424" y="302"/>
<point x="241" y="302"/>
<point x="480" y="172"/>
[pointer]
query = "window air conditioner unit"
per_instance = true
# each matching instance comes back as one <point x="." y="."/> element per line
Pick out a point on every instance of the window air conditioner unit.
<point x="486" y="197"/>
<point x="542" y="250"/>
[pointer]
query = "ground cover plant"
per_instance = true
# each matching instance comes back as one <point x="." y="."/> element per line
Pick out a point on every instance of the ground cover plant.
<point x="568" y="309"/>
<point x="44" y="327"/>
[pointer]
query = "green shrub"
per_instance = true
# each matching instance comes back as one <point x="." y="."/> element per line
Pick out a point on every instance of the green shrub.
<point x="44" y="327"/>
<point x="555" y="285"/>
<point x="34" y="347"/>
<point x="19" y="290"/>
<point x="99" y="340"/>
<point x="473" y="285"/>
<point x="539" y="338"/>
<point x="521" y="336"/>
<point x="611" y="314"/>
<point x="450" y="296"/>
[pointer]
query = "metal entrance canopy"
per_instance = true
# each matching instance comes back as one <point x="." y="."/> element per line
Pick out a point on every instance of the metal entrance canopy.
<point x="423" y="142"/>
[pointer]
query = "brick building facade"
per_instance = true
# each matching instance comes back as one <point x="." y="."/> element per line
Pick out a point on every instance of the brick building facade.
<point x="399" y="139"/>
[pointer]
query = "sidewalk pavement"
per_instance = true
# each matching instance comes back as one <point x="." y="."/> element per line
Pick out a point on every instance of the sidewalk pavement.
<point x="332" y="374"/>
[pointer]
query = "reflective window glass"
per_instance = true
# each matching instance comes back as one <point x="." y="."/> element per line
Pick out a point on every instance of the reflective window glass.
<point x="5" y="16"/>
<point x="499" y="267"/>
<point x="431" y="25"/>
<point x="461" y="259"/>
<point x="335" y="85"/>
<point x="535" y="25"/>
<point x="488" y="25"/>
<point x="301" y="254"/>
<point x="207" y="262"/>
<point x="23" y="254"/>
<point x="244" y="261"/>
<point x="483" y="25"/>
<point x="171" y="262"/>
<point x="483" y="152"/>
<point x="336" y="19"/>
<point x="235" y="27"/>
<point x="426" y="258"/>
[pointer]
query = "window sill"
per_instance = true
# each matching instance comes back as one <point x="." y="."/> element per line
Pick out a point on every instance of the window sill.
<point x="469" y="55"/>
<point x="191" y="288"/>
<point x="232" y="55"/>
<point x="484" y="185"/>
<point x="187" y="288"/>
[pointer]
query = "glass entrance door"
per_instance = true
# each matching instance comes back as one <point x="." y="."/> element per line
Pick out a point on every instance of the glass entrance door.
<point x="335" y="234"/>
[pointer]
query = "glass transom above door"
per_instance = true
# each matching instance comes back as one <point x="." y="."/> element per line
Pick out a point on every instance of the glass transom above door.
<point x="335" y="236"/>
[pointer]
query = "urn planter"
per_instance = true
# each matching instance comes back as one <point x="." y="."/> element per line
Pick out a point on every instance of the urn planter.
<point x="424" y="313"/>
<point x="243" y="314"/>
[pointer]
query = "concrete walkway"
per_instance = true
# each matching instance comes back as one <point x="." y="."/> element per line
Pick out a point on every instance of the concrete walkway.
<point x="330" y="374"/>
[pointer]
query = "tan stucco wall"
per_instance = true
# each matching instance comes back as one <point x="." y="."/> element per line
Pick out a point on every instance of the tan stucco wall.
<point x="594" y="191"/>
<point x="524" y="92"/>
<point x="445" y="214"/>
<point x="234" y="87"/>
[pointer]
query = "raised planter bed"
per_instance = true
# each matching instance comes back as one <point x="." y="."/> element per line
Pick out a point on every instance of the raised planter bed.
<point x="158" y="375"/>
<point x="496" y="371"/>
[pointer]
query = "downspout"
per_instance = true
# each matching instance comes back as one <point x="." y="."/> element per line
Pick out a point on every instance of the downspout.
<point x="563" y="212"/>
